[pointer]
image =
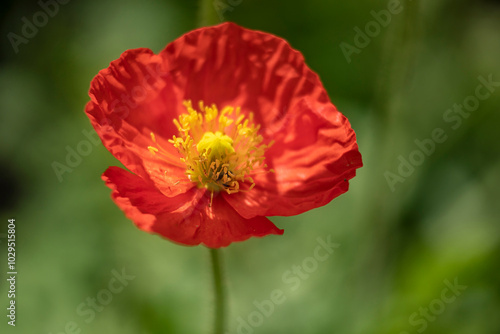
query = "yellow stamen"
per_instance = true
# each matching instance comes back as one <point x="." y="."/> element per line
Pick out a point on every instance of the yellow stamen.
<point x="220" y="149"/>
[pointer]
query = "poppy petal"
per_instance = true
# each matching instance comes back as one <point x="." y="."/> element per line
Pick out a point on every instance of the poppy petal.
<point x="126" y="106"/>
<point x="315" y="151"/>
<point x="187" y="219"/>
<point x="313" y="157"/>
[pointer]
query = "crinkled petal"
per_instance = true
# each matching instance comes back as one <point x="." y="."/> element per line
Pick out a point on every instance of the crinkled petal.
<point x="128" y="102"/>
<point x="187" y="218"/>
<point x="314" y="155"/>
<point x="315" y="151"/>
<point x="313" y="160"/>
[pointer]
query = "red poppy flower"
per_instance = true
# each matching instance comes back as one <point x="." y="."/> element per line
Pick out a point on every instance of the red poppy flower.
<point x="261" y="137"/>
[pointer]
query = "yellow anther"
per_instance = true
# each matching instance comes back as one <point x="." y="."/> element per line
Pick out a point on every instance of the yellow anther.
<point x="220" y="149"/>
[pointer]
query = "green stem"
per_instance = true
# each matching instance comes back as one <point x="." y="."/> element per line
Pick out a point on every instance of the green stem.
<point x="219" y="291"/>
<point x="207" y="13"/>
<point x="401" y="50"/>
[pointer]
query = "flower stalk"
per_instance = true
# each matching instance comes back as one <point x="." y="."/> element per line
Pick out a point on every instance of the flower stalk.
<point x="219" y="291"/>
<point x="207" y="15"/>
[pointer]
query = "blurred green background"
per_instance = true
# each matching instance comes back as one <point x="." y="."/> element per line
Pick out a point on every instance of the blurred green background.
<point x="400" y="243"/>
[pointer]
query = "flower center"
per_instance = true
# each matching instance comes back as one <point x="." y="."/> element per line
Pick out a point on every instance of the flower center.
<point x="222" y="150"/>
<point x="217" y="145"/>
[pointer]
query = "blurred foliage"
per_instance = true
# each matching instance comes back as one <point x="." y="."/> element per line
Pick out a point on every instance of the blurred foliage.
<point x="397" y="248"/>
